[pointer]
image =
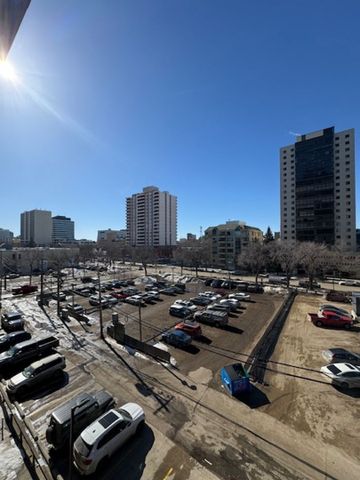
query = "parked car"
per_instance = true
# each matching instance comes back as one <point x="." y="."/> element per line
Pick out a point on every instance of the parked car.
<point x="179" y="286"/>
<point x="119" y="295"/>
<point x="135" y="300"/>
<point x="62" y="296"/>
<point x="180" y="311"/>
<point x="338" y="297"/>
<point x="201" y="301"/>
<point x="221" y="307"/>
<point x="110" y="300"/>
<point x="27" y="351"/>
<point x="37" y="373"/>
<point x="338" y="355"/>
<point x="349" y="283"/>
<point x="154" y="294"/>
<point x="12" y="276"/>
<point x="75" y="307"/>
<point x="86" y="279"/>
<point x="306" y="284"/>
<point x="24" y="289"/>
<point x="230" y="302"/>
<point x="10" y="339"/>
<point x="177" y="338"/>
<point x="330" y="319"/>
<point x="99" y="441"/>
<point x="216" y="283"/>
<point x="168" y="291"/>
<point x="190" y="328"/>
<point x="212" y="317"/>
<point x="150" y="287"/>
<point x="254" y="288"/>
<point x="12" y="321"/>
<point x="344" y="375"/>
<point x="331" y="308"/>
<point x="208" y="281"/>
<point x="187" y="304"/>
<point x="240" y="296"/>
<point x="228" y="284"/>
<point x="91" y="406"/>
<point x="131" y="291"/>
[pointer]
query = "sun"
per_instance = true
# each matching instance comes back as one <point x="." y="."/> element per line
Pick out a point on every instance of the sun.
<point x="7" y="72"/>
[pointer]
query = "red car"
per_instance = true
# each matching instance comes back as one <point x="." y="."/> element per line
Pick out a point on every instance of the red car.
<point x="331" y="319"/>
<point x="24" y="289"/>
<point x="191" y="328"/>
<point x="119" y="295"/>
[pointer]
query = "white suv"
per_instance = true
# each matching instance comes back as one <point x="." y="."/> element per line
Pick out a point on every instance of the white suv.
<point x="102" y="438"/>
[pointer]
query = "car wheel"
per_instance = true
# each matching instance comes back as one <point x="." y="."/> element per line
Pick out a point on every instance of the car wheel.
<point x="319" y="323"/>
<point x="217" y="324"/>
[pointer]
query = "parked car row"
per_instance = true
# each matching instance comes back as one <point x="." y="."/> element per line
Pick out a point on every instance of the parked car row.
<point x="99" y="429"/>
<point x="331" y="316"/>
<point x="234" y="285"/>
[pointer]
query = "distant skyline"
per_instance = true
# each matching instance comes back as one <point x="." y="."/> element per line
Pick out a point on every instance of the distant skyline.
<point x="194" y="97"/>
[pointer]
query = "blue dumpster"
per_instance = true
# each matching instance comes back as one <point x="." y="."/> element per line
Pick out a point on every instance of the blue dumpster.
<point x="235" y="379"/>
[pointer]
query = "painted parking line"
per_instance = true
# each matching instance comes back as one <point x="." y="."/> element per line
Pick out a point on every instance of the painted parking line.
<point x="169" y="472"/>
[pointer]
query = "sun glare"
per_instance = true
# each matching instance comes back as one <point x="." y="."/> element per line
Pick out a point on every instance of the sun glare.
<point x="7" y="72"/>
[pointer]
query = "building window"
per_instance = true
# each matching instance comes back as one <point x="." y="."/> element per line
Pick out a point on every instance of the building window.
<point x="337" y="145"/>
<point x="347" y="143"/>
<point x="347" y="156"/>
<point x="347" y="135"/>
<point x="336" y="138"/>
<point x="347" y="149"/>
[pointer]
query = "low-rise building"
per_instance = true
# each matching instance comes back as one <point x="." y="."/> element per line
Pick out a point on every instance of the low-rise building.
<point x="6" y="237"/>
<point x="228" y="241"/>
<point x="110" y="235"/>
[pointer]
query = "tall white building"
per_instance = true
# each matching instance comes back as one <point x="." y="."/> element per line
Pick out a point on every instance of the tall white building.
<point x="36" y="228"/>
<point x="62" y="229"/>
<point x="151" y="218"/>
<point x="317" y="180"/>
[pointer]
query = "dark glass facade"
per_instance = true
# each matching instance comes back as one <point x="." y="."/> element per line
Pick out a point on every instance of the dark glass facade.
<point x="314" y="166"/>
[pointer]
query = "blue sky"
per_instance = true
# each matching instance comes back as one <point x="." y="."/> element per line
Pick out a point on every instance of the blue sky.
<point x="194" y="96"/>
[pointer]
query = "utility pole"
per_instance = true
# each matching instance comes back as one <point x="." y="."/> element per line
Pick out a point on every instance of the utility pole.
<point x="58" y="291"/>
<point x="100" y="309"/>
<point x="140" y="324"/>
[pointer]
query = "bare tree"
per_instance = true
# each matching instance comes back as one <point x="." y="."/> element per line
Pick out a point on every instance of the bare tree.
<point x="312" y="258"/>
<point x="195" y="253"/>
<point x="86" y="252"/>
<point x="144" y="255"/>
<point x="255" y="256"/>
<point x="33" y="257"/>
<point x="286" y="255"/>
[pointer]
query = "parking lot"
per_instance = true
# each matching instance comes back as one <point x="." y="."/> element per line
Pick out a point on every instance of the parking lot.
<point x="300" y="396"/>
<point x="299" y="403"/>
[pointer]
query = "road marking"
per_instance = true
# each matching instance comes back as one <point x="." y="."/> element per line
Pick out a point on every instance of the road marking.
<point x="169" y="472"/>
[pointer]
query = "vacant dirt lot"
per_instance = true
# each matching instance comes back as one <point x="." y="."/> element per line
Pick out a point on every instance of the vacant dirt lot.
<point x="302" y="398"/>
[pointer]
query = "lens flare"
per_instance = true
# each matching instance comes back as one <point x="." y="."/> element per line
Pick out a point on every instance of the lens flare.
<point x="7" y="72"/>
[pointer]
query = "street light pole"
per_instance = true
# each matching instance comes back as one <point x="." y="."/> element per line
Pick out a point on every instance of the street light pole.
<point x="72" y="413"/>
<point x="100" y="309"/>
<point x="140" y="323"/>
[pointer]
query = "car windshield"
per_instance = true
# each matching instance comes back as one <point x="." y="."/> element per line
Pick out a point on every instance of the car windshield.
<point x="125" y="414"/>
<point x="28" y="372"/>
<point x="334" y="369"/>
<point x="12" y="351"/>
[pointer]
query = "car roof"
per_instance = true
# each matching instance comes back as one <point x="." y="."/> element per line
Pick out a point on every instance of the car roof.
<point x="46" y="360"/>
<point x="97" y="428"/>
<point x="346" y="367"/>
<point x="12" y="314"/>
<point x="62" y="414"/>
<point x="338" y="350"/>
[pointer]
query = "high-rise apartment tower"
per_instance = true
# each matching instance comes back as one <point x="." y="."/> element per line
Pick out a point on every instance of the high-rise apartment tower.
<point x="317" y="181"/>
<point x="151" y="218"/>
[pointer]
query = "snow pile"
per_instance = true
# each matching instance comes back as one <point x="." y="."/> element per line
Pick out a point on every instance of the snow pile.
<point x="11" y="460"/>
<point x="144" y="279"/>
<point x="275" y="290"/>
